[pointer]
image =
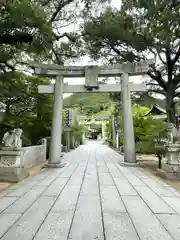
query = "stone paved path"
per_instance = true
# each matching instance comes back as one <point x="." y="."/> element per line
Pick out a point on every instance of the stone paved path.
<point x="92" y="198"/>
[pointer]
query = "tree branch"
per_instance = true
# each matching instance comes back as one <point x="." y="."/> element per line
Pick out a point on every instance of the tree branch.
<point x="157" y="91"/>
<point x="59" y="61"/>
<point x="57" y="37"/>
<point x="59" y="8"/>
<point x="18" y="37"/>
<point x="158" y="79"/>
<point x="6" y="65"/>
<point x="127" y="55"/>
<point x="177" y="94"/>
<point x="155" y="55"/>
<point x="176" y="58"/>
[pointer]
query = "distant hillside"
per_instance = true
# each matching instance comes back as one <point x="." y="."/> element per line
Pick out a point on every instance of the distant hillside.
<point x="93" y="103"/>
<point x="88" y="102"/>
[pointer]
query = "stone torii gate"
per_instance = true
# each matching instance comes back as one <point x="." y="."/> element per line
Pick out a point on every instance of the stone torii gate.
<point x="91" y="74"/>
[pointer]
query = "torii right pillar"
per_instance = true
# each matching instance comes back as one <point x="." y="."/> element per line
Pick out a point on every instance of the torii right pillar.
<point x="129" y="140"/>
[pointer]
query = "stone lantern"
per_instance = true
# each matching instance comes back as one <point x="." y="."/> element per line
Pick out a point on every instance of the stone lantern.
<point x="171" y="169"/>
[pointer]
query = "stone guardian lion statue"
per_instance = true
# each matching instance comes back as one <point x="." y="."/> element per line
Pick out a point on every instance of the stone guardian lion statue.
<point x="12" y="140"/>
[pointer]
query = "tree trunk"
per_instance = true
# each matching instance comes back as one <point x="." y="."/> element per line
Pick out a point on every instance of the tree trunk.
<point x="170" y="106"/>
<point x="160" y="162"/>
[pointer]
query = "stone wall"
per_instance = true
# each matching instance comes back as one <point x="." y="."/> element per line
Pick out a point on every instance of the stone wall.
<point x="33" y="155"/>
<point x="14" y="164"/>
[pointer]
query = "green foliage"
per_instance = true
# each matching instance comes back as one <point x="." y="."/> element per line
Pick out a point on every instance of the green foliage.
<point x="34" y="28"/>
<point x="145" y="128"/>
<point x="141" y="28"/>
<point x="25" y="108"/>
<point x="108" y="130"/>
<point x="77" y="131"/>
<point x="24" y="29"/>
<point x="88" y="103"/>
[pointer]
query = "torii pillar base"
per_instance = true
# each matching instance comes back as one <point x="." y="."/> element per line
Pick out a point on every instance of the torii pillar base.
<point x="59" y="164"/>
<point x="126" y="164"/>
<point x="55" y="165"/>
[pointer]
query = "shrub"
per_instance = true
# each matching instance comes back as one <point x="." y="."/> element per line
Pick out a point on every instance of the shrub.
<point x="77" y="131"/>
<point x="48" y="146"/>
<point x="25" y="141"/>
<point x="145" y="128"/>
<point x="146" y="146"/>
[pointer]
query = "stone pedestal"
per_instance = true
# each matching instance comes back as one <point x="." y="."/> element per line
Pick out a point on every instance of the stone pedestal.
<point x="173" y="153"/>
<point x="171" y="170"/>
<point x="168" y="171"/>
<point x="11" y="168"/>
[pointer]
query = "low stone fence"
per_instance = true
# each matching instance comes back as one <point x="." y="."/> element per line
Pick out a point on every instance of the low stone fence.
<point x="33" y="155"/>
<point x="14" y="163"/>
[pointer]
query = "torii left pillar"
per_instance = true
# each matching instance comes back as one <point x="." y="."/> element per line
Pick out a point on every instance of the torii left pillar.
<point x="55" y="155"/>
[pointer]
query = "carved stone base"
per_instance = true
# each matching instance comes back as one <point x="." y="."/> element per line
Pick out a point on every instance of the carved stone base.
<point x="169" y="171"/>
<point x="11" y="169"/>
<point x="13" y="174"/>
<point x="172" y="153"/>
<point x="10" y="158"/>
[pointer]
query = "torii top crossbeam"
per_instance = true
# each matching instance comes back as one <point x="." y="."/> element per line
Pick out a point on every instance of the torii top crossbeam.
<point x="133" y="69"/>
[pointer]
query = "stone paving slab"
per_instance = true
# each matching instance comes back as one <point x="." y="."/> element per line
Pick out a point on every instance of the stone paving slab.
<point x="6" y="221"/>
<point x="154" y="202"/>
<point x="91" y="198"/>
<point x="105" y="179"/>
<point x="76" y="179"/>
<point x="56" y="187"/>
<point x="87" y="223"/>
<point x="18" y="192"/>
<point x="174" y="202"/>
<point x="145" y="222"/>
<point x="115" y="171"/>
<point x="24" y="202"/>
<point x="48" y="180"/>
<point x="56" y="226"/>
<point x="135" y="181"/>
<point x="124" y="187"/>
<point x="5" y="202"/>
<point x="67" y="200"/>
<point x="69" y="171"/>
<point x="111" y="201"/>
<point x="102" y="169"/>
<point x="171" y="223"/>
<point x="158" y="188"/>
<point x="26" y="227"/>
<point x="139" y="173"/>
<point x="90" y="187"/>
<point x="118" y="226"/>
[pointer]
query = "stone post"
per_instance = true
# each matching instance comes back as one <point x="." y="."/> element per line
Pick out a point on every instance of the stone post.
<point x="113" y="132"/>
<point x="129" y="142"/>
<point x="56" y="131"/>
<point x="43" y="142"/>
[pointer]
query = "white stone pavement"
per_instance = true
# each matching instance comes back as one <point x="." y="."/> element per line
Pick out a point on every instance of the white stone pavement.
<point x="92" y="198"/>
